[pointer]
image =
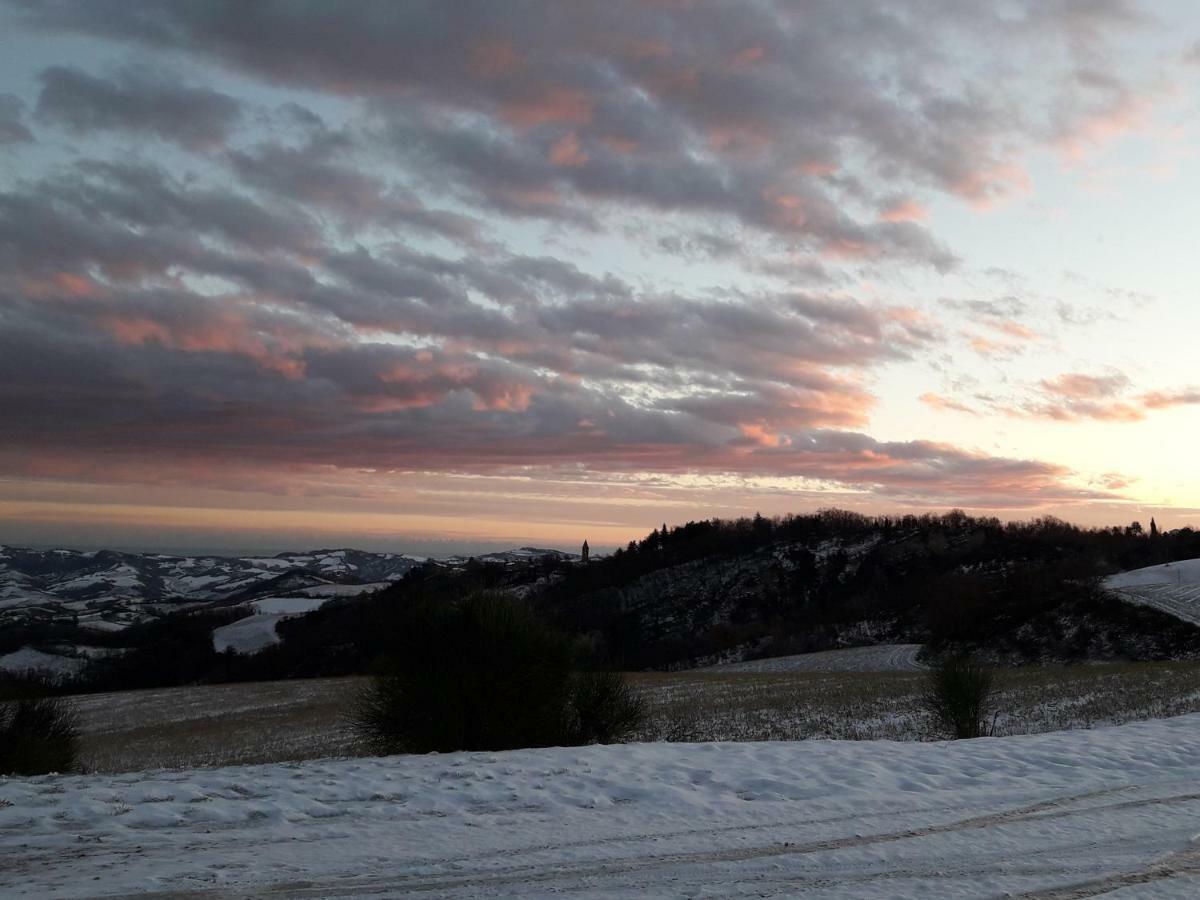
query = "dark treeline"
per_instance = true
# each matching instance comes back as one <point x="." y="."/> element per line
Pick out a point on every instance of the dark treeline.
<point x="1047" y="538"/>
<point x="1019" y="592"/>
<point x="1014" y="582"/>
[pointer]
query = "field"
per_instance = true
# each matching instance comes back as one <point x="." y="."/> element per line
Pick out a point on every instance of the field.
<point x="293" y="720"/>
<point x="878" y="658"/>
<point x="753" y="706"/>
<point x="211" y="725"/>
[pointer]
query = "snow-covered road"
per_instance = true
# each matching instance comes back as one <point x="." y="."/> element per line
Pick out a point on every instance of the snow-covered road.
<point x="1075" y="814"/>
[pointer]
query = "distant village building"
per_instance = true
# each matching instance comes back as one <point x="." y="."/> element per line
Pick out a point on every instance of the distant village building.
<point x="585" y="552"/>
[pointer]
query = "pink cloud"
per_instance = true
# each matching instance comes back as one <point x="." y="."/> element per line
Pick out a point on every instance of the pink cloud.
<point x="946" y="404"/>
<point x="904" y="210"/>
<point x="65" y="285"/>
<point x="1125" y="114"/>
<point x="1167" y="399"/>
<point x="1012" y="328"/>
<point x="747" y="57"/>
<point x="991" y="348"/>
<point x="566" y="152"/>
<point x="1079" y="386"/>
<point x="987" y="185"/>
<point x="759" y="435"/>
<point x="494" y="58"/>
<point x="551" y="104"/>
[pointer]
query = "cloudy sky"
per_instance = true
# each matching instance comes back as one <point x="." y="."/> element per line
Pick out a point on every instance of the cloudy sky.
<point x="413" y="275"/>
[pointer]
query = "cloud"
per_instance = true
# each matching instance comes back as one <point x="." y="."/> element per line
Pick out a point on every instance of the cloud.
<point x="1074" y="395"/>
<point x="415" y="361"/>
<point x="161" y="412"/>
<point x="137" y="100"/>
<point x="991" y="348"/>
<point x="309" y="291"/>
<point x="1079" y="386"/>
<point x="757" y="115"/>
<point x="1167" y="399"/>
<point x="1078" y="396"/>
<point x="12" y="129"/>
<point x="946" y="404"/>
<point x="325" y="175"/>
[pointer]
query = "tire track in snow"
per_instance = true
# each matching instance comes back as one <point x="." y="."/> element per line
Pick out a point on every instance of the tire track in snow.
<point x="494" y="878"/>
<point x="1181" y="862"/>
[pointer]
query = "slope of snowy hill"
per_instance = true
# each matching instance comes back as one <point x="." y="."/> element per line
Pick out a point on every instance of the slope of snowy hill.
<point x="1068" y="814"/>
<point x="1173" y="588"/>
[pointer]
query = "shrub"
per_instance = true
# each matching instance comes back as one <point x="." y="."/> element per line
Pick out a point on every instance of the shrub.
<point x="486" y="674"/>
<point x="605" y="710"/>
<point x="481" y="675"/>
<point x="958" y="693"/>
<point x="38" y="736"/>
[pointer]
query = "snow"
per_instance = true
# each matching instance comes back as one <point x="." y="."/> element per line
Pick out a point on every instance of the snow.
<point x="344" y="590"/>
<point x="295" y="605"/>
<point x="1070" y="814"/>
<point x="1173" y="588"/>
<point x="270" y="562"/>
<point x="248" y="635"/>
<point x="98" y="624"/>
<point x="29" y="660"/>
<point x="878" y="658"/>
<point x="256" y="632"/>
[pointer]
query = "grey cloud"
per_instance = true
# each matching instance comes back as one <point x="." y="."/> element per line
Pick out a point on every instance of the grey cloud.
<point x="12" y="128"/>
<point x="1006" y="307"/>
<point x="751" y="111"/>
<point x="312" y="176"/>
<point x="137" y="100"/>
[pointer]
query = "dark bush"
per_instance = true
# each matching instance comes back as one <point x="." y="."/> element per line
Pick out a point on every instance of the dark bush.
<point x="958" y="693"/>
<point x="486" y="674"/>
<point x="605" y="709"/>
<point x="38" y="736"/>
<point x="483" y="674"/>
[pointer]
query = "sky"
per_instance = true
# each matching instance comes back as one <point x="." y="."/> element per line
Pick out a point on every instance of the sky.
<point x="462" y="275"/>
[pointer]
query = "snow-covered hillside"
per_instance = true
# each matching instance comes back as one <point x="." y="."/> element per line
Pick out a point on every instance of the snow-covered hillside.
<point x="107" y="590"/>
<point x="1072" y="814"/>
<point x="1172" y="587"/>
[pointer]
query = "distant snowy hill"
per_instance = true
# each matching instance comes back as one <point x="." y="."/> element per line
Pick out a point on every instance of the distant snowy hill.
<point x="1173" y="588"/>
<point x="107" y="590"/>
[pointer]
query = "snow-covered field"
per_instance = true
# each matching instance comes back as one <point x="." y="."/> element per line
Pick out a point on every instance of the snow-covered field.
<point x="257" y="631"/>
<point x="1172" y="587"/>
<point x="28" y="661"/>
<point x="216" y="724"/>
<point x="879" y="658"/>
<point x="276" y="721"/>
<point x="1112" y="811"/>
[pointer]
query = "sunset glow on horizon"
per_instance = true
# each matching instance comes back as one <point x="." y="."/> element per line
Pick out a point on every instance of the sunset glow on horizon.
<point x="459" y="275"/>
